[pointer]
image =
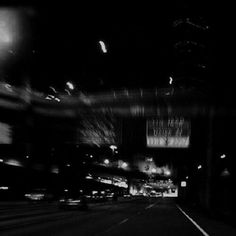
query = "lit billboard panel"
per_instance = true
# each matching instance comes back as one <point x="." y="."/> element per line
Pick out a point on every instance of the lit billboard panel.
<point x="171" y="132"/>
<point x="5" y="133"/>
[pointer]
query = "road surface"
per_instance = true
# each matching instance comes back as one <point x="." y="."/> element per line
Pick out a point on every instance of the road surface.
<point x="157" y="216"/>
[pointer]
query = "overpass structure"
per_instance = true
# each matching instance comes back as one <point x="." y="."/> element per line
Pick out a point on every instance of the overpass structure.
<point x="137" y="102"/>
<point x="140" y="103"/>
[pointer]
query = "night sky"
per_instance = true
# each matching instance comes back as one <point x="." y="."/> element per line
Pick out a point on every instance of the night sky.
<point x="60" y="42"/>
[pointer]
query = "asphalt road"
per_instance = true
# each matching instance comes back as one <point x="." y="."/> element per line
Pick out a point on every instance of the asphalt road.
<point x="137" y="217"/>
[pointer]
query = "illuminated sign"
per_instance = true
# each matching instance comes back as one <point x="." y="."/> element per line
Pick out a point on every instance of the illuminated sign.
<point x="5" y="133"/>
<point x="171" y="133"/>
<point x="114" y="181"/>
<point x="162" y="184"/>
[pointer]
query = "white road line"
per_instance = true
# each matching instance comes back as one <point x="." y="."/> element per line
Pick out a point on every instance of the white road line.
<point x="123" y="221"/>
<point x="149" y="206"/>
<point x="115" y="225"/>
<point x="198" y="227"/>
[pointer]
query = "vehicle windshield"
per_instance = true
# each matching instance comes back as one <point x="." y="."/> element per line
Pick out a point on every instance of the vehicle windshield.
<point x="127" y="112"/>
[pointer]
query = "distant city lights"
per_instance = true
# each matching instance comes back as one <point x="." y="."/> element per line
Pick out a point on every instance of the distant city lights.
<point x="154" y="170"/>
<point x="103" y="46"/>
<point x="124" y="165"/>
<point x="167" y="172"/>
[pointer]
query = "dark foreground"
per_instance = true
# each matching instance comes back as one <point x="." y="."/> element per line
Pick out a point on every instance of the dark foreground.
<point x="159" y="216"/>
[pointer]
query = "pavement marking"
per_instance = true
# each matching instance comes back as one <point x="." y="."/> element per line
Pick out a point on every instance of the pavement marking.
<point x="115" y="225"/>
<point x="198" y="227"/>
<point x="149" y="206"/>
<point x="123" y="221"/>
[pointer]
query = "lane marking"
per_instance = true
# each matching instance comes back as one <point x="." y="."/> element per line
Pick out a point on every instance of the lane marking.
<point x="149" y="206"/>
<point x="115" y="225"/>
<point x="198" y="227"/>
<point x="123" y="221"/>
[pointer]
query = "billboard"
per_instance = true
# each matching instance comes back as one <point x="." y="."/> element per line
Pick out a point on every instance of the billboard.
<point x="5" y="133"/>
<point x="173" y="132"/>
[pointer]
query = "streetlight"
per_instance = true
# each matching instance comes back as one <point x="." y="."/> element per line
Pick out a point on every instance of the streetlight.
<point x="113" y="147"/>
<point x="167" y="172"/>
<point x="106" y="161"/>
<point x="70" y="85"/>
<point x="103" y="46"/>
<point x="199" y="167"/>
<point x="223" y="156"/>
<point x="124" y="165"/>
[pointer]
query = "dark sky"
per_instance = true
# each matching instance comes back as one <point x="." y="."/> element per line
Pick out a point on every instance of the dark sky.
<point x="61" y="44"/>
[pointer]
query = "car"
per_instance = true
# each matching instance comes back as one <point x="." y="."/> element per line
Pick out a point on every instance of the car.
<point x="39" y="195"/>
<point x="155" y="194"/>
<point x="127" y="196"/>
<point x="73" y="203"/>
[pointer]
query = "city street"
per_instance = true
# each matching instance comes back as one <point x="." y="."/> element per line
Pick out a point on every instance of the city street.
<point x="117" y="120"/>
<point x="160" y="216"/>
